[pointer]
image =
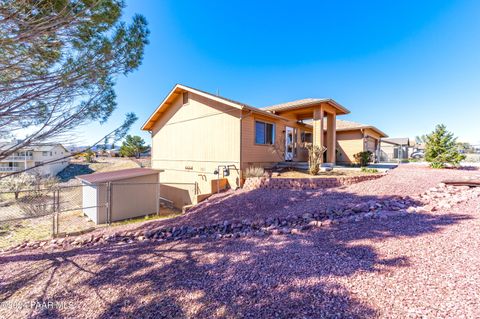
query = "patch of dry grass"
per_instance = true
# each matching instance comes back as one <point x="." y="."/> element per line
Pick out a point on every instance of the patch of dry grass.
<point x="70" y="223"/>
<point x="107" y="164"/>
<point x="165" y="213"/>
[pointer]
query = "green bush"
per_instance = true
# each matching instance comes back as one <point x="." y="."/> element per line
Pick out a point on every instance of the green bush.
<point x="441" y="148"/>
<point x="363" y="158"/>
<point x="369" y="170"/>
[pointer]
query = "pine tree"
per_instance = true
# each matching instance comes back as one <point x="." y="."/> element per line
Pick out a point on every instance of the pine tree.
<point x="59" y="60"/>
<point x="133" y="146"/>
<point x="441" y="148"/>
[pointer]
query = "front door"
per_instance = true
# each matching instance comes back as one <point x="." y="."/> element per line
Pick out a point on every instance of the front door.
<point x="289" y="143"/>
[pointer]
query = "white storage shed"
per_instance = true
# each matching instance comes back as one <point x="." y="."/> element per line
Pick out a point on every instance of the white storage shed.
<point x="117" y="195"/>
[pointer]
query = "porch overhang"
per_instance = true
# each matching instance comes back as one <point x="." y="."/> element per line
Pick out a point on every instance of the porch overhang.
<point x="316" y="110"/>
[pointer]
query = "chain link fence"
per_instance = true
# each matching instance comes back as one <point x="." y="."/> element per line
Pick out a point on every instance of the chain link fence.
<point x="39" y="214"/>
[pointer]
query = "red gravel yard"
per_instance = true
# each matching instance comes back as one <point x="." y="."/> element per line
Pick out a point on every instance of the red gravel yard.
<point x="420" y="265"/>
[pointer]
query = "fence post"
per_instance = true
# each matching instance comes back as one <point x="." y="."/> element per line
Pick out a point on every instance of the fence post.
<point x="109" y="203"/>
<point x="55" y="209"/>
<point x="58" y="212"/>
<point x="53" y="213"/>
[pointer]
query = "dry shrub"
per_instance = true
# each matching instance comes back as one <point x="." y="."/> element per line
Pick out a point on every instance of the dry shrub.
<point x="254" y="171"/>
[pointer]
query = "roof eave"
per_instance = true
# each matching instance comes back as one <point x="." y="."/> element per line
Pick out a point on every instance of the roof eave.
<point x="376" y="130"/>
<point x="362" y="128"/>
<point x="339" y="106"/>
<point x="332" y="102"/>
<point x="147" y="126"/>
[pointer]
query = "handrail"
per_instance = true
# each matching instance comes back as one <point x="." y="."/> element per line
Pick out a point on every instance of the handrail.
<point x="9" y="169"/>
<point x="16" y="157"/>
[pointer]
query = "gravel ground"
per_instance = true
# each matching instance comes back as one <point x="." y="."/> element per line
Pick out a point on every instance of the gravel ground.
<point x="418" y="266"/>
<point x="423" y="265"/>
<point x="407" y="180"/>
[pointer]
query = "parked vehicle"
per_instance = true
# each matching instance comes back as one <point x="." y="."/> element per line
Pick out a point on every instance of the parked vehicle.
<point x="418" y="154"/>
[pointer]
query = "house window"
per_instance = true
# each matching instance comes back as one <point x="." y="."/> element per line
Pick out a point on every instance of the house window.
<point x="185" y="97"/>
<point x="264" y="133"/>
<point x="44" y="153"/>
<point x="306" y="137"/>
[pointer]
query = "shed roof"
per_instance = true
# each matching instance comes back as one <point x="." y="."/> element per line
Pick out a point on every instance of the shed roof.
<point x="117" y="175"/>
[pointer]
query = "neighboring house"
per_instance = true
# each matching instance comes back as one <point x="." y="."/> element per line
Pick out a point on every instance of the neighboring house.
<point x="353" y="138"/>
<point x="113" y="152"/>
<point x="394" y="149"/>
<point x="199" y="139"/>
<point x="34" y="155"/>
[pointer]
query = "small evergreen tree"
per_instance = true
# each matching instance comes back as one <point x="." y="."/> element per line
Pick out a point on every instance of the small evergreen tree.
<point x="133" y="146"/>
<point x="441" y="148"/>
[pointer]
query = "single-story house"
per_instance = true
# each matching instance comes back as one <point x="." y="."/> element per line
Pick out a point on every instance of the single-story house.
<point x="394" y="149"/>
<point x="122" y="194"/>
<point x="353" y="138"/>
<point x="199" y="138"/>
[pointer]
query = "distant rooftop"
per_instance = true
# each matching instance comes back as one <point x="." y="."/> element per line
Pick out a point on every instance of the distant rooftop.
<point x="397" y="140"/>
<point x="39" y="147"/>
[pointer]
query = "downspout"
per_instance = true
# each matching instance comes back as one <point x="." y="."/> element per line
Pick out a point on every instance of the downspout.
<point x="241" y="140"/>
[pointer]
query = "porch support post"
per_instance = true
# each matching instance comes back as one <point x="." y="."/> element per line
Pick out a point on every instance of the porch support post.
<point x="331" y="137"/>
<point x="318" y="126"/>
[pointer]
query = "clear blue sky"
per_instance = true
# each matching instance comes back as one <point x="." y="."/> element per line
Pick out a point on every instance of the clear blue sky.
<point x="403" y="66"/>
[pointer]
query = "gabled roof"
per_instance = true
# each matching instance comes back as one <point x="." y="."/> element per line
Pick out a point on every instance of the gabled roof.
<point x="349" y="125"/>
<point x="397" y="140"/>
<point x="38" y="147"/>
<point x="112" y="176"/>
<point x="179" y="88"/>
<point x="342" y="125"/>
<point x="298" y="104"/>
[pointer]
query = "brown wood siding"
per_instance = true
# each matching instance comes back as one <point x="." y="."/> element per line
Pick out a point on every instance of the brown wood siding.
<point x="348" y="144"/>
<point x="190" y="141"/>
<point x="265" y="155"/>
